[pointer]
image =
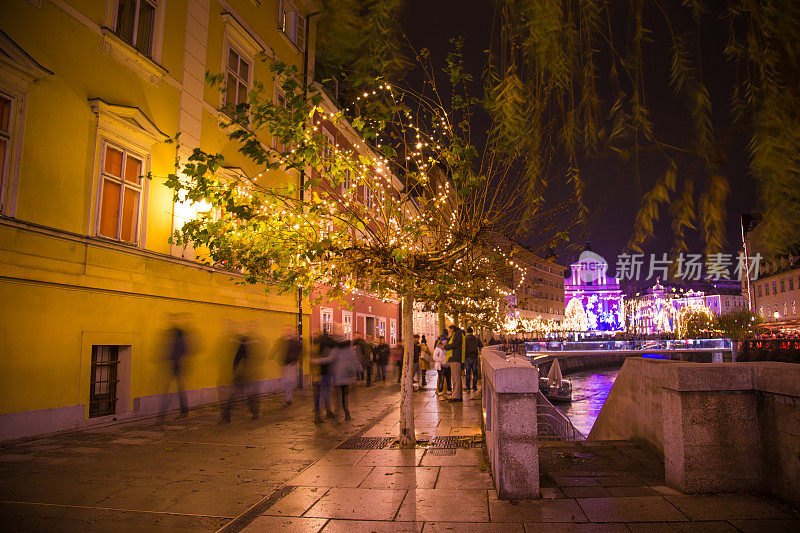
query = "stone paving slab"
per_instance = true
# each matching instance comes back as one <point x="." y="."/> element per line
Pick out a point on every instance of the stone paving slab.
<point x="725" y="507"/>
<point x="289" y="525"/>
<point x="358" y="504"/>
<point x="373" y="526"/>
<point x="443" y="505"/>
<point x="401" y="477"/>
<point x="542" y="510"/>
<point x="635" y="509"/>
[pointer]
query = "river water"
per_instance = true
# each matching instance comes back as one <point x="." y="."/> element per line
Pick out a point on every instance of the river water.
<point x="589" y="392"/>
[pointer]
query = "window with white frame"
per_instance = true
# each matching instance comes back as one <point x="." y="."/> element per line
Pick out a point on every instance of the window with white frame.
<point x="280" y="102"/>
<point x="326" y="319"/>
<point x="237" y="78"/>
<point x="328" y="147"/>
<point x="392" y="331"/>
<point x="120" y="193"/>
<point x="369" y="198"/>
<point x="292" y="23"/>
<point x="382" y="328"/>
<point x="135" y="23"/>
<point x="347" y="182"/>
<point x="347" y="324"/>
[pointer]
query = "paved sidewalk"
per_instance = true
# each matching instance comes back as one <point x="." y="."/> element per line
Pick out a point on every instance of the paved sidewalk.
<point x="282" y="472"/>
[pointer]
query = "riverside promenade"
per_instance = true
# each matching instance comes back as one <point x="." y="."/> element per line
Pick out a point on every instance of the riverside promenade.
<point x="284" y="473"/>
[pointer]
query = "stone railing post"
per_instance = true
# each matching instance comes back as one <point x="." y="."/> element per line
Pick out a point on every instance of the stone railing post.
<point x="510" y="388"/>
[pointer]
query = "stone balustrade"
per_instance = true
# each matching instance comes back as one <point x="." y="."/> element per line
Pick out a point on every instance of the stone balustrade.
<point x="727" y="427"/>
<point x="510" y="387"/>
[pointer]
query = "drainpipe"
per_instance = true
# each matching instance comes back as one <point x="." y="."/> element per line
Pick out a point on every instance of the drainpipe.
<point x="302" y="187"/>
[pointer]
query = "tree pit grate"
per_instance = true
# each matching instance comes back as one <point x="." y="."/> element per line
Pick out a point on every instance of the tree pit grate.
<point x="366" y="443"/>
<point x="441" y="451"/>
<point x="455" y="441"/>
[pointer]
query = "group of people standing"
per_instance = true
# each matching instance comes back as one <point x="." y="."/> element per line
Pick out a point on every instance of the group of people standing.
<point x="456" y="352"/>
<point x="338" y="363"/>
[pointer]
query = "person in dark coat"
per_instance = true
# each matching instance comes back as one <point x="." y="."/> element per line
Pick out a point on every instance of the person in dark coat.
<point x="381" y="352"/>
<point x="455" y="358"/>
<point x="472" y="352"/>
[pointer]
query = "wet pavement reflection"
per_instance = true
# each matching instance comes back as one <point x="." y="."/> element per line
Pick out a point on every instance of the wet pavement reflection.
<point x="589" y="392"/>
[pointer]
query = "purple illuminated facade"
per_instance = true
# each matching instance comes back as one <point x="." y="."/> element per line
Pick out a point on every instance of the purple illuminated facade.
<point x="599" y="294"/>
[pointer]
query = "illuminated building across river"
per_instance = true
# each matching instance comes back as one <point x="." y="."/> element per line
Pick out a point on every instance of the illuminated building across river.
<point x="598" y="294"/>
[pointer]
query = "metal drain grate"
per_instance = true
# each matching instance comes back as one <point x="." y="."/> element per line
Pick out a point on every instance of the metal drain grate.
<point x="366" y="443"/>
<point x="441" y="451"/>
<point x="456" y="441"/>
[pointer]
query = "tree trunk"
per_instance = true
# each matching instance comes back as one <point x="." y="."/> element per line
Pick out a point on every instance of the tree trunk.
<point x="408" y="438"/>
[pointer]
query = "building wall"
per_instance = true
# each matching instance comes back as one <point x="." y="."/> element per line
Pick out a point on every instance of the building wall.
<point x="541" y="293"/>
<point x="360" y="307"/>
<point x="63" y="287"/>
<point x="777" y="293"/>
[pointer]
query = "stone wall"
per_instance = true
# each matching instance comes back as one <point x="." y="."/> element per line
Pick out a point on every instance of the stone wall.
<point x="510" y="388"/>
<point x="720" y="427"/>
<point x="633" y="409"/>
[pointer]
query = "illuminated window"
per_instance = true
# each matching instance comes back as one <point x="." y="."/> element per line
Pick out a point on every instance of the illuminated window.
<point x="326" y="319"/>
<point x="794" y="309"/>
<point x="237" y="78"/>
<point x="392" y="331"/>
<point x="135" y="24"/>
<point x="784" y="308"/>
<point x="120" y="193"/>
<point x="292" y="23"/>
<point x="347" y="324"/>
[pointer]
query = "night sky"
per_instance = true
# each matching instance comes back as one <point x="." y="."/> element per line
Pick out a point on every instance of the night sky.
<point x="611" y="197"/>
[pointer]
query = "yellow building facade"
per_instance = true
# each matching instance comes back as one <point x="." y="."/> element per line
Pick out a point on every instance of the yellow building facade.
<point x="90" y="93"/>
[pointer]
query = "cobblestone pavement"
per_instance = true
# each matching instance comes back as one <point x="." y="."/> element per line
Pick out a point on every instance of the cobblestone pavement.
<point x="282" y="472"/>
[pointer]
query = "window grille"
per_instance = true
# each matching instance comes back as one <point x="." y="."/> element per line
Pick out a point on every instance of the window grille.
<point x="103" y="387"/>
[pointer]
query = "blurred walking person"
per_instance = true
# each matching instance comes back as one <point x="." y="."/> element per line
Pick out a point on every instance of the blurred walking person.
<point x="176" y="354"/>
<point x="365" y="347"/>
<point x="291" y="355"/>
<point x="243" y="375"/>
<point x="340" y="360"/>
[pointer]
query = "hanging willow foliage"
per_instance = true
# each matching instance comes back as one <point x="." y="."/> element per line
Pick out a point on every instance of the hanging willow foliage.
<point x="543" y="96"/>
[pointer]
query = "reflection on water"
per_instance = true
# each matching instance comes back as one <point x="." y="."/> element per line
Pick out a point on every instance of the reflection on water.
<point x="589" y="391"/>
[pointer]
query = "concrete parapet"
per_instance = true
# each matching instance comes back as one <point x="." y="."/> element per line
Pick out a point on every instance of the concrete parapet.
<point x="726" y="427"/>
<point x="510" y="388"/>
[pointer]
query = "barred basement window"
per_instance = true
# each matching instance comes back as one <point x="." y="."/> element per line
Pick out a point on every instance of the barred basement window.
<point x="103" y="387"/>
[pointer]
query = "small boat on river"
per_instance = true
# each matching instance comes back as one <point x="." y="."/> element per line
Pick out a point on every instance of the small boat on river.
<point x="554" y="387"/>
